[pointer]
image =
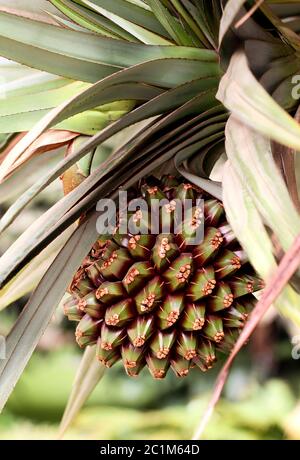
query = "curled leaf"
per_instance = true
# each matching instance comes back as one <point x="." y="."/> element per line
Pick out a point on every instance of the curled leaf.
<point x="48" y="141"/>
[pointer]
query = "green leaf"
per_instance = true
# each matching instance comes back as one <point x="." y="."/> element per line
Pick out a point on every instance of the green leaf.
<point x="116" y="170"/>
<point x="93" y="121"/>
<point x="142" y="16"/>
<point x="250" y="103"/>
<point x="164" y="132"/>
<point x="91" y="21"/>
<point x="39" y="50"/>
<point x="96" y="95"/>
<point x="77" y="55"/>
<point x="89" y="373"/>
<point x="166" y="73"/>
<point x="197" y="12"/>
<point x="21" y="113"/>
<point x="23" y="178"/>
<point x="249" y="228"/>
<point x="278" y="70"/>
<point x="204" y="164"/>
<point x="28" y="278"/>
<point x="283" y="94"/>
<point x="36" y="315"/>
<point x="47" y="99"/>
<point x="142" y="34"/>
<point x="134" y="91"/>
<point x="18" y="80"/>
<point x="170" y="24"/>
<point x="5" y="140"/>
<point x="66" y="23"/>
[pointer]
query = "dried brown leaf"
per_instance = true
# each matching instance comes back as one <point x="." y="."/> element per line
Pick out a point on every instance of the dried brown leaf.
<point x="50" y="140"/>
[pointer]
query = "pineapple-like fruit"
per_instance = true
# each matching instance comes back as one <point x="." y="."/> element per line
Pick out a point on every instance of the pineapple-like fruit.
<point x="158" y="300"/>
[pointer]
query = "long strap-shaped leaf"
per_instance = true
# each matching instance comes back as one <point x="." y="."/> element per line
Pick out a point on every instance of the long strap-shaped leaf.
<point x="90" y="20"/>
<point x="251" y="104"/>
<point x="171" y="24"/>
<point x="161" y="135"/>
<point x="189" y="12"/>
<point x="142" y="34"/>
<point x="28" y="278"/>
<point x="203" y="138"/>
<point x="18" y="80"/>
<point x="74" y="54"/>
<point x="36" y="315"/>
<point x="230" y="11"/>
<point x="37" y="235"/>
<point x="163" y="73"/>
<point x="128" y="10"/>
<point x="134" y="91"/>
<point x="265" y="184"/>
<point x="89" y="373"/>
<point x="290" y="36"/>
<point x="248" y="226"/>
<point x="88" y="122"/>
<point x="164" y="129"/>
<point x="46" y="99"/>
<point x="166" y="101"/>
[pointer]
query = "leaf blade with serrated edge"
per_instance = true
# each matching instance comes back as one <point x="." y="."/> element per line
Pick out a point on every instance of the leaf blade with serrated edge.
<point x="74" y="54"/>
<point x="28" y="278"/>
<point x="91" y="21"/>
<point x="154" y="107"/>
<point x="128" y="10"/>
<point x="73" y="205"/>
<point x="36" y="315"/>
<point x="142" y="34"/>
<point x="101" y="93"/>
<point x="170" y="24"/>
